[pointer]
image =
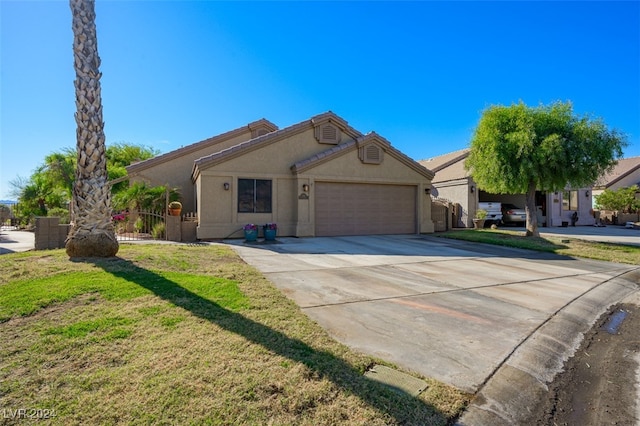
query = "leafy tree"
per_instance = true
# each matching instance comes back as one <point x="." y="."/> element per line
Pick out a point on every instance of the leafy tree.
<point x="48" y="191"/>
<point x="59" y="169"/>
<point x="622" y="199"/>
<point x="92" y="233"/>
<point x="520" y="149"/>
<point x="119" y="156"/>
<point x="5" y="213"/>
<point x="141" y="196"/>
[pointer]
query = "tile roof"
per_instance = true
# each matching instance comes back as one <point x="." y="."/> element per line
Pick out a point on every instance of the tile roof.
<point x="142" y="165"/>
<point x="624" y="168"/>
<point x="448" y="166"/>
<point x="272" y="137"/>
<point x="371" y="137"/>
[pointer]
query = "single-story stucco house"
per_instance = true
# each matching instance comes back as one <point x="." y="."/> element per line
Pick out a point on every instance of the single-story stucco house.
<point x="455" y="184"/>
<point x="319" y="177"/>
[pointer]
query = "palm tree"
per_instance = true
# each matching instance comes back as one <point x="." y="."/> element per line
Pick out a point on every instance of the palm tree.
<point x="92" y="233"/>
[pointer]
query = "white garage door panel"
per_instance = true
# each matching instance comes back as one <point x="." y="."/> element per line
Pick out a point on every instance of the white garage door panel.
<point x="364" y="209"/>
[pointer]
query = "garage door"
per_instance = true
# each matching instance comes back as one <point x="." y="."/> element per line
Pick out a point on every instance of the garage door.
<point x="364" y="209"/>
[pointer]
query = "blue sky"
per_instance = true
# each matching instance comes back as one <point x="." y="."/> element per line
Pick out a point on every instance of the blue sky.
<point x="417" y="73"/>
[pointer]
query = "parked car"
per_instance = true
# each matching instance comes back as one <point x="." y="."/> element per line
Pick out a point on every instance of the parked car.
<point x="494" y="212"/>
<point x="513" y="214"/>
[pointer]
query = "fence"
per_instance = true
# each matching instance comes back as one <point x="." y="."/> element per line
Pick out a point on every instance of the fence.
<point x="130" y="226"/>
<point x="444" y="214"/>
<point x="140" y="225"/>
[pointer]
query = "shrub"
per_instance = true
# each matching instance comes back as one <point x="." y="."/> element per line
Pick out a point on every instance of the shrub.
<point x="63" y="214"/>
<point x="157" y="231"/>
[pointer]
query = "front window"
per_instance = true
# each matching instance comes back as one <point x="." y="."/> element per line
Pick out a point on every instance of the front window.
<point x="254" y="196"/>
<point x="570" y="200"/>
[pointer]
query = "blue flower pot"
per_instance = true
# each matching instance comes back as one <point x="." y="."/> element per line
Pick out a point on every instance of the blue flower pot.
<point x="270" y="234"/>
<point x="251" y="234"/>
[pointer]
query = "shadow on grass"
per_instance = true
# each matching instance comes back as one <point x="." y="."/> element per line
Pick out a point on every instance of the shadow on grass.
<point x="403" y="408"/>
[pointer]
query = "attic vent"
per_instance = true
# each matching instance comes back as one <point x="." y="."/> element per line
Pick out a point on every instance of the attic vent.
<point x="328" y="133"/>
<point x="371" y="154"/>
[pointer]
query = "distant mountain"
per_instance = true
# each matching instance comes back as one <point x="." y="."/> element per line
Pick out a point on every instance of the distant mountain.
<point x="8" y="202"/>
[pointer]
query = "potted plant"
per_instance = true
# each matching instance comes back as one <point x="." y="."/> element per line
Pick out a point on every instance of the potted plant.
<point x="270" y="230"/>
<point x="175" y="208"/>
<point x="250" y="232"/>
<point x="481" y="216"/>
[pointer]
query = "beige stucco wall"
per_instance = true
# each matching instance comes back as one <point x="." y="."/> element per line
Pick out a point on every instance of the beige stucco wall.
<point x="218" y="213"/>
<point x="293" y="209"/>
<point x="457" y="191"/>
<point x="176" y="171"/>
<point x="557" y="215"/>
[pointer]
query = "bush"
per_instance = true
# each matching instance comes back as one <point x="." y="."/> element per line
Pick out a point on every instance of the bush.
<point x="63" y="214"/>
<point x="623" y="200"/>
<point x="139" y="224"/>
<point x="158" y="231"/>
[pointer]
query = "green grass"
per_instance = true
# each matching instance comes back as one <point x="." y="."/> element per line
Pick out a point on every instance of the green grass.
<point x="573" y="247"/>
<point x="173" y="334"/>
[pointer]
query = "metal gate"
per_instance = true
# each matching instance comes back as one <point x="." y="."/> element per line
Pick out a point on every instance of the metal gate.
<point x="140" y="225"/>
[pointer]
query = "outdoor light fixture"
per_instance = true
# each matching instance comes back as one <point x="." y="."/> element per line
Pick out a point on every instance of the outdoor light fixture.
<point x="427" y="191"/>
<point x="472" y="189"/>
<point x="305" y="187"/>
<point x="226" y="186"/>
<point x="586" y="194"/>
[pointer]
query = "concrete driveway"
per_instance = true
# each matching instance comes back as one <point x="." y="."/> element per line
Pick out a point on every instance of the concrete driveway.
<point x="483" y="318"/>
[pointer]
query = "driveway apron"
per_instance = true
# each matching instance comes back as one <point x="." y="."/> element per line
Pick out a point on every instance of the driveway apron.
<point x="446" y="309"/>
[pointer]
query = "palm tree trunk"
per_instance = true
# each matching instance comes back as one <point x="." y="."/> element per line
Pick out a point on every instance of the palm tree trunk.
<point x="92" y="233"/>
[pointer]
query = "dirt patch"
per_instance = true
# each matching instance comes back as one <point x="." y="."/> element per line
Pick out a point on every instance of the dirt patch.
<point x="599" y="383"/>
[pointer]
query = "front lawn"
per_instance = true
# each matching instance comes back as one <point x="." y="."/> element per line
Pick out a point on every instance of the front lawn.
<point x="176" y="334"/>
<point x="567" y="246"/>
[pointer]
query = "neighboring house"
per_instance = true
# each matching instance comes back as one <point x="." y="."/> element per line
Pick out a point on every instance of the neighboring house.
<point x="455" y="184"/>
<point x="320" y="177"/>
<point x="625" y="174"/>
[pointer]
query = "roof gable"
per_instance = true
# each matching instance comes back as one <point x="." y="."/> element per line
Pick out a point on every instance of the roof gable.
<point x="273" y="137"/>
<point x="253" y="128"/>
<point x="624" y="168"/>
<point x="369" y="139"/>
<point x="448" y="166"/>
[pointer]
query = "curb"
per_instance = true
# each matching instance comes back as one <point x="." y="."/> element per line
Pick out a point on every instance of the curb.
<point x="518" y="385"/>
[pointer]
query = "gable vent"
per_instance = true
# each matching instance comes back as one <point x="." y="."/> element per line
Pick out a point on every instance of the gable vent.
<point x="328" y="133"/>
<point x="371" y="154"/>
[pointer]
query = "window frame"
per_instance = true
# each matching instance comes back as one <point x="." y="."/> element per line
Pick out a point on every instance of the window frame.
<point x="255" y="195"/>
<point x="569" y="200"/>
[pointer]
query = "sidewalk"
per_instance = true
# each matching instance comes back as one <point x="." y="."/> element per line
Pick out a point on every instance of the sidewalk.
<point x="13" y="241"/>
<point x="607" y="234"/>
